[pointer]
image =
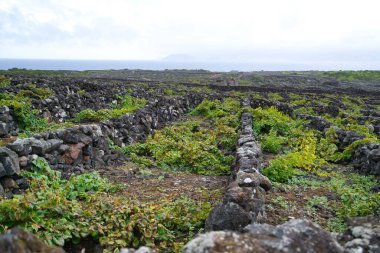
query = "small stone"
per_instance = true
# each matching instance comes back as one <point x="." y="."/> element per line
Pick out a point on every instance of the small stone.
<point x="8" y="183"/>
<point x="358" y="242"/>
<point x="139" y="250"/>
<point x="75" y="150"/>
<point x="10" y="162"/>
<point x="62" y="148"/>
<point x="22" y="183"/>
<point x="4" y="129"/>
<point x="39" y="147"/>
<point x="375" y="155"/>
<point x="23" y="161"/>
<point x="21" y="146"/>
<point x="247" y="180"/>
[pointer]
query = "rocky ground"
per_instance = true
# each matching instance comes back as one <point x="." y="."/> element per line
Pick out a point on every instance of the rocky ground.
<point x="248" y="212"/>
<point x="152" y="185"/>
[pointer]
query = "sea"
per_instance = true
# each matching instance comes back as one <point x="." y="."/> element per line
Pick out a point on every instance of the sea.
<point x="44" y="64"/>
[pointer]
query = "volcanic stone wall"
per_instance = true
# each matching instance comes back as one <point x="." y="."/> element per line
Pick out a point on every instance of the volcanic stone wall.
<point x="72" y="95"/>
<point x="8" y="126"/>
<point x="366" y="158"/>
<point x="86" y="147"/>
<point x="244" y="201"/>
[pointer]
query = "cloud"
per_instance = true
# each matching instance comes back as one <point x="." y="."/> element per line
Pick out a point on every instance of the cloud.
<point x="239" y="30"/>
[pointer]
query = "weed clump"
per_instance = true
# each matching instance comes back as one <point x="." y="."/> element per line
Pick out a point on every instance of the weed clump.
<point x="126" y="105"/>
<point x="185" y="147"/>
<point x="27" y="119"/>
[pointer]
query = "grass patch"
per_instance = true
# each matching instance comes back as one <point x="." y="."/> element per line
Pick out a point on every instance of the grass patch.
<point x="126" y="105"/>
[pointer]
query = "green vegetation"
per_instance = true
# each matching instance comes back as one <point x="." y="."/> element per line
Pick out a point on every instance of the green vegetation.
<point x="214" y="109"/>
<point x="38" y="93"/>
<point x="302" y="164"/>
<point x="196" y="146"/>
<point x="87" y="205"/>
<point x="81" y="92"/>
<point x="274" y="96"/>
<point x="271" y="142"/>
<point x="299" y="147"/>
<point x="265" y="120"/>
<point x="184" y="147"/>
<point x="317" y="201"/>
<point x="4" y="81"/>
<point x="354" y="197"/>
<point x="282" y="202"/>
<point x="126" y="105"/>
<point x="364" y="75"/>
<point x="27" y="119"/>
<point x="302" y="156"/>
<point x="278" y="132"/>
<point x="327" y="147"/>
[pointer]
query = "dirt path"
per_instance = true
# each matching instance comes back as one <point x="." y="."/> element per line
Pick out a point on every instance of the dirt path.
<point x="150" y="185"/>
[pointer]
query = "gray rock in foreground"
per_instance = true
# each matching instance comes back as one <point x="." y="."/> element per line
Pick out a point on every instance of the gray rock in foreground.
<point x="294" y="236"/>
<point x="17" y="240"/>
<point x="139" y="250"/>
<point x="362" y="235"/>
<point x="228" y="216"/>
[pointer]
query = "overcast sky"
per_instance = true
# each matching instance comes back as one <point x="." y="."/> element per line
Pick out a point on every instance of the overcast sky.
<point x="199" y="30"/>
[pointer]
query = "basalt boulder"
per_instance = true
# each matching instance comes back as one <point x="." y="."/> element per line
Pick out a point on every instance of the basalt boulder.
<point x="17" y="240"/>
<point x="292" y="237"/>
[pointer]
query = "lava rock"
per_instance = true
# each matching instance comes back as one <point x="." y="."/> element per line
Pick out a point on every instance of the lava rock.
<point x="292" y="237"/>
<point x="3" y="172"/>
<point x="23" y="161"/>
<point x="139" y="250"/>
<point x="229" y="216"/>
<point x="10" y="162"/>
<point x="17" y="240"/>
<point x="8" y="183"/>
<point x="21" y="146"/>
<point x="362" y="235"/>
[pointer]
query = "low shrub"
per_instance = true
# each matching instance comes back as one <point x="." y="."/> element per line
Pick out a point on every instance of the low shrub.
<point x="59" y="210"/>
<point x="271" y="142"/>
<point x="266" y="119"/>
<point x="38" y="93"/>
<point x="126" y="105"/>
<point x="214" y="109"/>
<point x="187" y="147"/>
<point x="4" y="82"/>
<point x="303" y="156"/>
<point x="27" y="119"/>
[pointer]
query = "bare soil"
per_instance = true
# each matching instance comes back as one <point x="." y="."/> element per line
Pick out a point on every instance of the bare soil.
<point x="282" y="206"/>
<point x="150" y="185"/>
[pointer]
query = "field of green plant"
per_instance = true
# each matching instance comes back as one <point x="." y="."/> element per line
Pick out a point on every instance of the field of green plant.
<point x="88" y="205"/>
<point x="310" y="169"/>
<point x="306" y="161"/>
<point x="30" y="121"/>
